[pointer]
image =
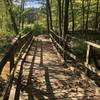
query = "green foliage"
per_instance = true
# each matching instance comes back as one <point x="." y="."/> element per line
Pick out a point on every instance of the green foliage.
<point x="38" y="29"/>
<point x="26" y="30"/>
<point x="77" y="9"/>
<point x="81" y="50"/>
<point x="5" y="21"/>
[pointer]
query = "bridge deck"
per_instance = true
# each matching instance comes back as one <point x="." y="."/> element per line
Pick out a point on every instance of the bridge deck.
<point x="40" y="75"/>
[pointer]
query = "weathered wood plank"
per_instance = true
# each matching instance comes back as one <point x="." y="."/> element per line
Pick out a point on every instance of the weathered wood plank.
<point x="89" y="54"/>
<point x="93" y="44"/>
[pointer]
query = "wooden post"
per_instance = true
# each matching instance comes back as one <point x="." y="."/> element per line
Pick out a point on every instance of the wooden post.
<point x="12" y="59"/>
<point x="95" y="60"/>
<point x="88" y="56"/>
<point x="41" y="60"/>
<point x="64" y="52"/>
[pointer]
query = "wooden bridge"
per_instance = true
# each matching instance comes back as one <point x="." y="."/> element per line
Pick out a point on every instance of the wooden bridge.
<point x="40" y="69"/>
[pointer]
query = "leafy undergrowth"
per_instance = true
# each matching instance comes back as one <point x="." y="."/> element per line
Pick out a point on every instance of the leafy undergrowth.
<point x="5" y="40"/>
<point x="37" y="29"/>
<point x="89" y="36"/>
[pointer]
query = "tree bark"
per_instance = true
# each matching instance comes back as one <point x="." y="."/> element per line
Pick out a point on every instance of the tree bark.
<point x="87" y="17"/>
<point x="60" y="17"/>
<point x="96" y="19"/>
<point x="49" y="13"/>
<point x="83" y="14"/>
<point x="22" y="10"/>
<point x="8" y="4"/>
<point x="73" y="20"/>
<point x="66" y="17"/>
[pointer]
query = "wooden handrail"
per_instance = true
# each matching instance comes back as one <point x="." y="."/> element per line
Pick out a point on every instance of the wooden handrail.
<point x="91" y="55"/>
<point x="61" y="43"/>
<point x="7" y="56"/>
<point x="93" y="44"/>
<point x="68" y="35"/>
<point x="15" y="47"/>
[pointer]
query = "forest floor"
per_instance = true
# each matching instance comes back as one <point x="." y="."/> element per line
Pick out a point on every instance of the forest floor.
<point x="43" y="76"/>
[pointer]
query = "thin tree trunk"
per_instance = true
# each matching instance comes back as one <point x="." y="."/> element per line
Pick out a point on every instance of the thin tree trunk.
<point x="57" y="24"/>
<point x="96" y="19"/>
<point x="8" y="4"/>
<point x="73" y="21"/>
<point x="60" y="17"/>
<point x="22" y="18"/>
<point x="48" y="24"/>
<point x="66" y="17"/>
<point x="49" y="13"/>
<point x="83" y="14"/>
<point x="87" y="17"/>
<point x="56" y="20"/>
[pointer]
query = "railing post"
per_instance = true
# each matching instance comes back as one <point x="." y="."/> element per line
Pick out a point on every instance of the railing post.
<point x="88" y="56"/>
<point x="41" y="60"/>
<point x="12" y="59"/>
<point x="64" y="52"/>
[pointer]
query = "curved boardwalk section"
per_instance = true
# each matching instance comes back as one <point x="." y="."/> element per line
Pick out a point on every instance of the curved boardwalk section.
<point x="40" y="75"/>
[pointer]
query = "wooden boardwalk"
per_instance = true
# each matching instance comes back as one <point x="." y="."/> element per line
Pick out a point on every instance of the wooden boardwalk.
<point x="41" y="75"/>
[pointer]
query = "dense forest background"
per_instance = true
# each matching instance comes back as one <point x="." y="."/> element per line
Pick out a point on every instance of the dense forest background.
<point x="75" y="16"/>
<point x="80" y="18"/>
<point x="80" y="14"/>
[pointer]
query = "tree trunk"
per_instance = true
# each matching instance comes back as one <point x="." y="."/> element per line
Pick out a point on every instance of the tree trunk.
<point x="47" y="13"/>
<point x="87" y="17"/>
<point x="22" y="10"/>
<point x="96" y="19"/>
<point x="56" y="20"/>
<point x="60" y="17"/>
<point x="73" y="21"/>
<point x="83" y="14"/>
<point x="66" y="17"/>
<point x="8" y="4"/>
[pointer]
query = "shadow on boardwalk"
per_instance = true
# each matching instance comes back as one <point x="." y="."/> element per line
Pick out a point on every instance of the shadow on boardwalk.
<point x="29" y="87"/>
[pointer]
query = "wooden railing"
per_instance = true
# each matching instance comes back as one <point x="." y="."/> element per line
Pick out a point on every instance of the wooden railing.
<point x="61" y="45"/>
<point x="91" y="58"/>
<point x="18" y="45"/>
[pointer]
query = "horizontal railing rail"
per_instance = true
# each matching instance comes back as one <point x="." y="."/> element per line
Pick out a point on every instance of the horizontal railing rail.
<point x="15" y="47"/>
